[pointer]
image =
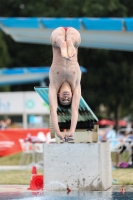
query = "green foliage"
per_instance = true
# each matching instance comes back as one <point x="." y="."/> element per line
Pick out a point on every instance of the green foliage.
<point x="66" y="8"/>
<point x="4" y="54"/>
<point x="102" y="8"/>
<point x="5" y="89"/>
<point x="109" y="79"/>
<point x="29" y="55"/>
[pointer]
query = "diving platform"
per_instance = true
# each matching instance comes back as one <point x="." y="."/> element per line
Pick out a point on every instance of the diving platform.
<point x="83" y="164"/>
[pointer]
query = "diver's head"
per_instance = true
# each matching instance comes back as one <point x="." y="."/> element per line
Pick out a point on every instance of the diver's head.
<point x="65" y="94"/>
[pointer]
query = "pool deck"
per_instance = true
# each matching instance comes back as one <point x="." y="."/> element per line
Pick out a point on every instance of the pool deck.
<point x="21" y="191"/>
<point x="24" y="188"/>
<point x="15" y="192"/>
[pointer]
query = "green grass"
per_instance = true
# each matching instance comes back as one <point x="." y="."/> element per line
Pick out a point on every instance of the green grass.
<point x="18" y="177"/>
<point x="15" y="177"/>
<point x="122" y="157"/>
<point x="10" y="160"/>
<point x="123" y="176"/>
<point x="22" y="177"/>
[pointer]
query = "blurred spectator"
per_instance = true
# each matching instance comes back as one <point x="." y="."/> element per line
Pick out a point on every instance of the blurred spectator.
<point x="111" y="134"/>
<point x="130" y="136"/>
<point x="30" y="138"/>
<point x="4" y="124"/>
<point x="41" y="136"/>
<point x="123" y="143"/>
<point x="119" y="143"/>
<point x="107" y="134"/>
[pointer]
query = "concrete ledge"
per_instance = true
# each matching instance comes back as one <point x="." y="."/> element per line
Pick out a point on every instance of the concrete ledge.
<point x="83" y="136"/>
<point x="79" y="166"/>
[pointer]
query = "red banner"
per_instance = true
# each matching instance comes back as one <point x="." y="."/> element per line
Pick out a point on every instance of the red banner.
<point x="10" y="139"/>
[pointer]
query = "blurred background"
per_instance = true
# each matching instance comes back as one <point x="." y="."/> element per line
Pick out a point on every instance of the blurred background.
<point x="107" y="84"/>
<point x="106" y="55"/>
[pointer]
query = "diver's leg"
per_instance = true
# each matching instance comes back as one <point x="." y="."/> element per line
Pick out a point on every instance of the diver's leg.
<point x="58" y="40"/>
<point x="73" y="40"/>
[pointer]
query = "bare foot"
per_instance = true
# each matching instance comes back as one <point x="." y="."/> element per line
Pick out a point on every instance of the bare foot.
<point x="70" y="48"/>
<point x="64" y="50"/>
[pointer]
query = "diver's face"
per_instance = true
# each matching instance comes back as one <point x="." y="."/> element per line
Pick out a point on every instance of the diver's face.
<point x="65" y="97"/>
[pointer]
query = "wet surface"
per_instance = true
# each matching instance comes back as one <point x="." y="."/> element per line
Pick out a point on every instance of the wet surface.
<point x="21" y="192"/>
<point x="73" y="195"/>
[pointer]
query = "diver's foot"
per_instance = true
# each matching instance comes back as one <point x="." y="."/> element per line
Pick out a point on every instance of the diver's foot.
<point x="64" y="50"/>
<point x="70" y="48"/>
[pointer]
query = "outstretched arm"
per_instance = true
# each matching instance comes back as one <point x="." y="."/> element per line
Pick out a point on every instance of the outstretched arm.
<point x="74" y="107"/>
<point x="53" y="110"/>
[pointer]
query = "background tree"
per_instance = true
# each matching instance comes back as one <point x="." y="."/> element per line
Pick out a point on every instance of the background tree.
<point x="109" y="81"/>
<point x="5" y="59"/>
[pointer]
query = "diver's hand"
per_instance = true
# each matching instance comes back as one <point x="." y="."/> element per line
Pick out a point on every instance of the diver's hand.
<point x="66" y="137"/>
<point x="69" y="136"/>
<point x="61" y="136"/>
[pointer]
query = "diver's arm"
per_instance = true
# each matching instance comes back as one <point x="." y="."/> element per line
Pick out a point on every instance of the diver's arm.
<point x="53" y="110"/>
<point x="75" y="107"/>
